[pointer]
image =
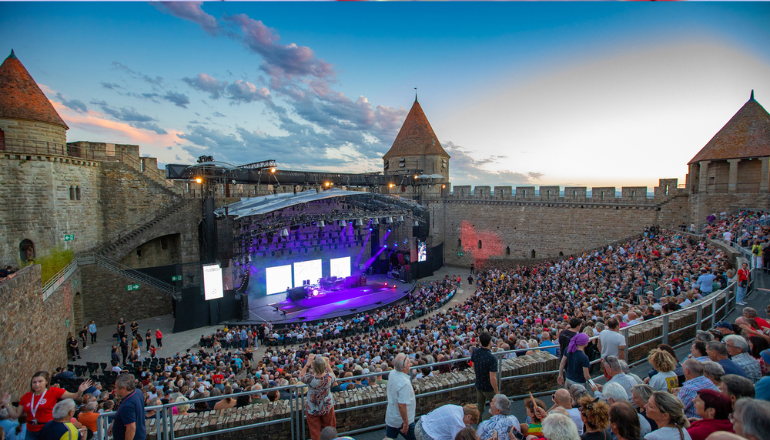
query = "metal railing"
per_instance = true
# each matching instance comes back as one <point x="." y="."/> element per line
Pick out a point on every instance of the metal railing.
<point x="165" y="421"/>
<point x="57" y="280"/>
<point x="87" y="259"/>
<point x="166" y="209"/>
<point x="114" y="266"/>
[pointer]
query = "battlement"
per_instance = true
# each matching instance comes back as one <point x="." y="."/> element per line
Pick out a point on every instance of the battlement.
<point x="666" y="189"/>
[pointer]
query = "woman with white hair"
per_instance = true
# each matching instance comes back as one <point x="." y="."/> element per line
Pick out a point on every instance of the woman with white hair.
<point x="558" y="426"/>
<point x="319" y="405"/>
<point x="61" y="427"/>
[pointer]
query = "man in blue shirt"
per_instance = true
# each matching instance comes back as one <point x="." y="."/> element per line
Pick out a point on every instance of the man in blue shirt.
<point x="547" y="342"/>
<point x="705" y="281"/>
<point x="717" y="352"/>
<point x="129" y="415"/>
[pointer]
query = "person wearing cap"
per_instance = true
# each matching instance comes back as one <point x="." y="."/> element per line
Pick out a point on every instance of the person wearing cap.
<point x="725" y="328"/>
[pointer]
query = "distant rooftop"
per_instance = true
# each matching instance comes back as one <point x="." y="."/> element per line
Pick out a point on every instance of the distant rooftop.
<point x="20" y="96"/>
<point x="747" y="134"/>
<point x="416" y="137"/>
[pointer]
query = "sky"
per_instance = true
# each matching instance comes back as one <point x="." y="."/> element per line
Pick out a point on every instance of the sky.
<point x="588" y="94"/>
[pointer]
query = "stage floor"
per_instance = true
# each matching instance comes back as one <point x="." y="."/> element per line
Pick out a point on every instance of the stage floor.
<point x="332" y="305"/>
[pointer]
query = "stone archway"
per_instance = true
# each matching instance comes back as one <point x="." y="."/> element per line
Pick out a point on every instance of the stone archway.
<point x="26" y="250"/>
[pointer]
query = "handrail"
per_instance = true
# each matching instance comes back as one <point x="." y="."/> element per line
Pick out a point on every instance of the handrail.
<point x="296" y="417"/>
<point x="165" y="210"/>
<point x="133" y="273"/>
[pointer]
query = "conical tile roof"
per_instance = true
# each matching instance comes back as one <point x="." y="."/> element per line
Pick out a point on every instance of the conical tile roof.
<point x="20" y="96"/>
<point x="747" y="134"/>
<point x="416" y="137"/>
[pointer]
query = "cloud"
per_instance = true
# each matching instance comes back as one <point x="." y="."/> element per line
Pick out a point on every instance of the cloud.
<point x="281" y="62"/>
<point x="149" y="126"/>
<point x="243" y="91"/>
<point x="190" y="11"/>
<point x="218" y="115"/>
<point x="111" y="86"/>
<point x="318" y="121"/>
<point x="467" y="170"/>
<point x="151" y="137"/>
<point x="74" y="104"/>
<point x="155" y="82"/>
<point x="131" y="116"/>
<point x="179" y="99"/>
<point x="207" y="84"/>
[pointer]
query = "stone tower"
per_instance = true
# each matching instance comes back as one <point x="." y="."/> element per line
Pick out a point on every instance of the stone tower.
<point x="417" y="150"/>
<point x="28" y="121"/>
<point x="733" y="170"/>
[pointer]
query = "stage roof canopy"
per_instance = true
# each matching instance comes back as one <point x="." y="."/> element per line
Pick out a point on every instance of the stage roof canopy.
<point x="274" y="202"/>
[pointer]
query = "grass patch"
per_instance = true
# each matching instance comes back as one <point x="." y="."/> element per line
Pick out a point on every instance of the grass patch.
<point x="50" y="264"/>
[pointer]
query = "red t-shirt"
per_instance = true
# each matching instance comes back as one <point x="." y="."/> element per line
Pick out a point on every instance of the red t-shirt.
<point x="43" y="412"/>
<point x="218" y="378"/>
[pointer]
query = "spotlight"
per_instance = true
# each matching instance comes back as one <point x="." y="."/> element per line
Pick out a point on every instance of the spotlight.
<point x="272" y="170"/>
<point x="375" y="221"/>
<point x="321" y="224"/>
<point x="389" y="230"/>
<point x="370" y="229"/>
<point x="343" y="223"/>
<point x="285" y="233"/>
<point x="389" y="220"/>
<point x="400" y="218"/>
<point x="443" y="186"/>
<point x="198" y="180"/>
<point x="391" y="185"/>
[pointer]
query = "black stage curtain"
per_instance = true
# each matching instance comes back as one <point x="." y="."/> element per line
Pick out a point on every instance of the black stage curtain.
<point x="194" y="312"/>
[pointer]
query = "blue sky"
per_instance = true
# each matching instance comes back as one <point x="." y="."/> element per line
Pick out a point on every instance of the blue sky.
<point x="518" y="93"/>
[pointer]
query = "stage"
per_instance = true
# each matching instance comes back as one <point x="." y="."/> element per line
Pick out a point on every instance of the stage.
<point x="350" y="301"/>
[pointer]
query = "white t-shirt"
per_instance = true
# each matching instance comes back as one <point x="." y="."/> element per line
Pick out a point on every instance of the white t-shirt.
<point x="664" y="381"/>
<point x="575" y="414"/>
<point x="668" y="434"/>
<point x="399" y="391"/>
<point x="611" y="341"/>
<point x="443" y="422"/>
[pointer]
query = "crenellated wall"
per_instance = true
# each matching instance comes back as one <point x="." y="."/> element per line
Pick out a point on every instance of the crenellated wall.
<point x="478" y="225"/>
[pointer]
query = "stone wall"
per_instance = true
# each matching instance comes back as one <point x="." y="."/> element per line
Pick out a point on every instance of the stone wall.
<point x="513" y="230"/>
<point x="106" y="298"/>
<point x="161" y="251"/>
<point x="34" y="332"/>
<point x="36" y="203"/>
<point x="33" y="135"/>
<point x="133" y="198"/>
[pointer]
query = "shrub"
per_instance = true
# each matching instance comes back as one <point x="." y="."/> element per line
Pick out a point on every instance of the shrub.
<point x="50" y="264"/>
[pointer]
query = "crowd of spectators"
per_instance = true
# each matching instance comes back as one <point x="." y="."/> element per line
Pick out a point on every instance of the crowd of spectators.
<point x="572" y="306"/>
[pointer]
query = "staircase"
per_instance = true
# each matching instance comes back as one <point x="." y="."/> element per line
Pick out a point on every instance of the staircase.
<point x="127" y="235"/>
<point x="111" y="265"/>
<point x="126" y="271"/>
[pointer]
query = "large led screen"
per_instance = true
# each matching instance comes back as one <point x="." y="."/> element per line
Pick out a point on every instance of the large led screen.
<point x="340" y="267"/>
<point x="307" y="270"/>
<point x="277" y="279"/>
<point x="212" y="282"/>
